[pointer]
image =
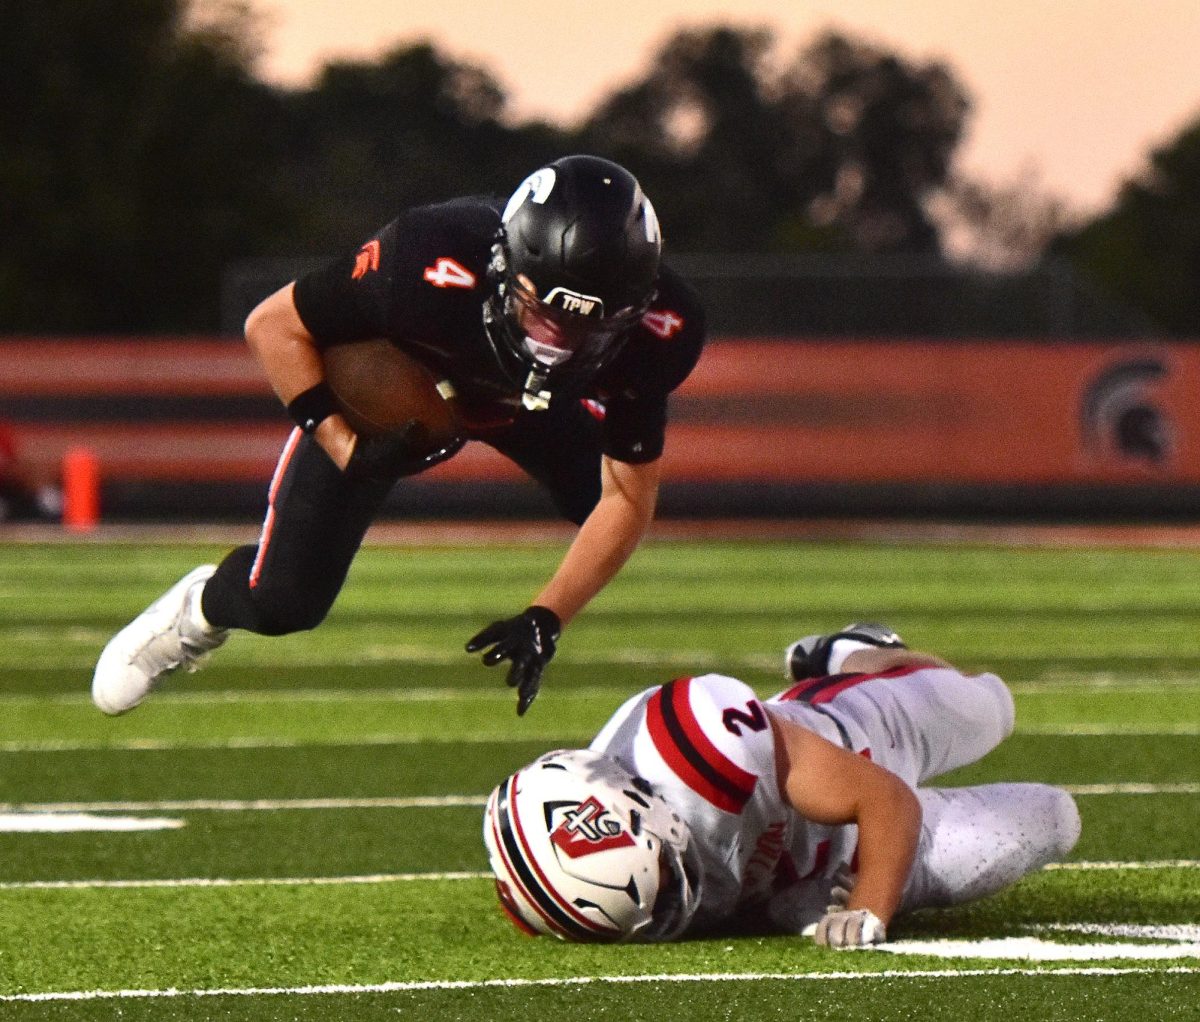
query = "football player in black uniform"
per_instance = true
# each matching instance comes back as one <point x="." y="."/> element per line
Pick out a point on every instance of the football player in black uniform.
<point x="562" y="334"/>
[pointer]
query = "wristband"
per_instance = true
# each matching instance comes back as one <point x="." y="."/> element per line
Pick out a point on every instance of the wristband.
<point x="311" y="407"/>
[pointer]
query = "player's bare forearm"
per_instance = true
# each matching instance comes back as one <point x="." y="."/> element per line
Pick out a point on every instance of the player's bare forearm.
<point x="607" y="538"/>
<point x="292" y="364"/>
<point x="889" y="826"/>
<point x="831" y="785"/>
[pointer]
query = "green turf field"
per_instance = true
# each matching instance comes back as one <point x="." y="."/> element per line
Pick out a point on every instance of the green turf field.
<point x="316" y="800"/>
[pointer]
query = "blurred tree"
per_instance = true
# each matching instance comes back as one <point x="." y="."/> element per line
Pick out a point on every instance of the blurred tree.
<point x="140" y="154"/>
<point x="413" y="127"/>
<point x="1000" y="228"/>
<point x="136" y="157"/>
<point x="842" y="149"/>
<point x="1146" y="249"/>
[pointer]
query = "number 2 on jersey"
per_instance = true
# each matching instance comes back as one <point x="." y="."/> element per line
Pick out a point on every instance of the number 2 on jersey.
<point x="752" y="717"/>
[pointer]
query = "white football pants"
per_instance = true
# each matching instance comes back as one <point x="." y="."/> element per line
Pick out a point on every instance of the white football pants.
<point x="977" y="841"/>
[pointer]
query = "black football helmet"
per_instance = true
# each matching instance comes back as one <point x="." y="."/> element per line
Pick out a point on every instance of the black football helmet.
<point x="574" y="266"/>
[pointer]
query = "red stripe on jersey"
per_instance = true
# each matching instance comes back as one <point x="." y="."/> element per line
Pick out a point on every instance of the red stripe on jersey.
<point x="686" y="749"/>
<point x="797" y="691"/>
<point x="827" y="691"/>
<point x="264" y="539"/>
<point x="825" y="695"/>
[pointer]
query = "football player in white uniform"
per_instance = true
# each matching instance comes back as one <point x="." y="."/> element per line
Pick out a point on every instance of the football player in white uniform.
<point x="699" y="805"/>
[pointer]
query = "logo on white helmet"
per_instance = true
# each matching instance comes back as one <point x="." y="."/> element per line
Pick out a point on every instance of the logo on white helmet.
<point x="586" y="828"/>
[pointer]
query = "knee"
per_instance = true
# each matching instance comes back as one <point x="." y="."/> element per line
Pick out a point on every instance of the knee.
<point x="284" y="613"/>
<point x="1067" y="824"/>
<point x="1003" y="709"/>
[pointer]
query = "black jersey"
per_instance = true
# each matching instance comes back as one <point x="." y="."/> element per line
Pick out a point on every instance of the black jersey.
<point x="422" y="281"/>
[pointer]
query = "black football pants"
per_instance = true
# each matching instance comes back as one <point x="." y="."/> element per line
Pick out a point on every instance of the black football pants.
<point x="316" y="520"/>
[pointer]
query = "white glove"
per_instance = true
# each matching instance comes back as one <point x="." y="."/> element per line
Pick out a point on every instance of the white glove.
<point x="850" y="928"/>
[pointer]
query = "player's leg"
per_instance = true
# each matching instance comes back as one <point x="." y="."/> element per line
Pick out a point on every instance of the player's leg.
<point x="560" y="448"/>
<point x="921" y="722"/>
<point x="315" y="523"/>
<point x="287" y="582"/>
<point x="977" y="841"/>
<point x="911" y="712"/>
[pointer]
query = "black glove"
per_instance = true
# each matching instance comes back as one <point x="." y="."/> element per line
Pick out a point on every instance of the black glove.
<point x="403" y="453"/>
<point x="529" y="641"/>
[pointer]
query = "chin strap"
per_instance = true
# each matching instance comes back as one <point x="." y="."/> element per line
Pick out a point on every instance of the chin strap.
<point x="534" y="398"/>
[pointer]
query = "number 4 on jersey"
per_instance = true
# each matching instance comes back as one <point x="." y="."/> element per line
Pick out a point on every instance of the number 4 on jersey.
<point x="447" y="272"/>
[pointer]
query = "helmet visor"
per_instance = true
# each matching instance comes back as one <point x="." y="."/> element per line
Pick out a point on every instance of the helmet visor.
<point x="566" y="324"/>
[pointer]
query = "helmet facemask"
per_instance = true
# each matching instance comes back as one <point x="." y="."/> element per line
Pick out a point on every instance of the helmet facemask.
<point x="678" y="892"/>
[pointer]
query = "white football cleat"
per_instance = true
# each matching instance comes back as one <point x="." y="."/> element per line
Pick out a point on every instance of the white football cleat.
<point x="168" y="635"/>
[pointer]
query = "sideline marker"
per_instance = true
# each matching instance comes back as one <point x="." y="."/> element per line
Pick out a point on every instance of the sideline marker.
<point x="81" y="489"/>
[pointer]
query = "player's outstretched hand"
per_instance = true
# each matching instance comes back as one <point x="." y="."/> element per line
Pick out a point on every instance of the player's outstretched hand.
<point x="528" y="641"/>
<point x="404" y="453"/>
<point x="850" y="928"/>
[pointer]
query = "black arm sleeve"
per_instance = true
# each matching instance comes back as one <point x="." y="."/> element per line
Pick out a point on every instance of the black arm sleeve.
<point x="635" y="430"/>
<point x="662" y="352"/>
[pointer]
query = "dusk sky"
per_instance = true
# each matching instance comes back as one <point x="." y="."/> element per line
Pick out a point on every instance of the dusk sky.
<point x="1074" y="91"/>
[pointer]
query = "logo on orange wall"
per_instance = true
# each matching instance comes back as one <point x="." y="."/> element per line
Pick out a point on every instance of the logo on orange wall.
<point x="1121" y="415"/>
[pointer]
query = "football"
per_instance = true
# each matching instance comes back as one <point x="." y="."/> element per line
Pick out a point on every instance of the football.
<point x="381" y="389"/>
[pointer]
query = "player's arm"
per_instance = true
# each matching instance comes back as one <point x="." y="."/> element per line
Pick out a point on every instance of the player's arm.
<point x="830" y="785"/>
<point x="605" y="541"/>
<point x="607" y="538"/>
<point x="292" y="363"/>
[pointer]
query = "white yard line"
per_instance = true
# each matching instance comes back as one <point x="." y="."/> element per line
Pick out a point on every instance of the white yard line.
<point x="390" y="878"/>
<point x="1106" y="730"/>
<point x="1183" y="932"/>
<point x="225" y="805"/>
<point x="1149" y="864"/>
<point x="690" y="660"/>
<point x="320" y="695"/>
<point x="374" y="878"/>
<point x="1133" y="789"/>
<point x="890" y="975"/>
<point x="247" y="805"/>
<point x="266" y="742"/>
<point x="504" y="737"/>
<point x="71" y="823"/>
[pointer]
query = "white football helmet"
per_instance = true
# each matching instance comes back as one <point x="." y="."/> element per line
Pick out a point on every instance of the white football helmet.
<point x="584" y="850"/>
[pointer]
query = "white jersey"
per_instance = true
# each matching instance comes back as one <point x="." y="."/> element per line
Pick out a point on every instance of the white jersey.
<point x="708" y="747"/>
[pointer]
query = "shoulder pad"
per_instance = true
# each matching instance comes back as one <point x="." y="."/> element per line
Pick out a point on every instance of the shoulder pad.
<point x="713" y="734"/>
